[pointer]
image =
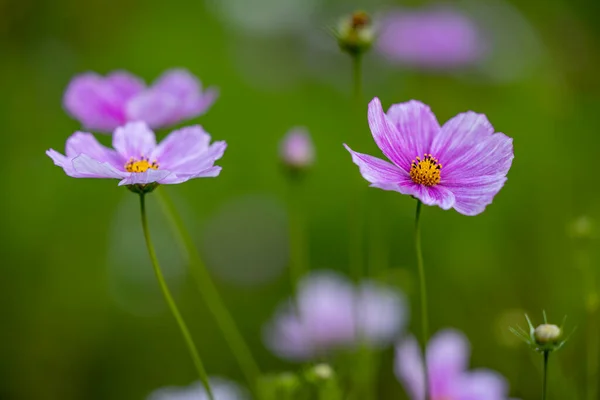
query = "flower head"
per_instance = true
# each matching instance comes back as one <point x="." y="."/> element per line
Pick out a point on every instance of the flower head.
<point x="137" y="160"/>
<point x="440" y="38"/>
<point x="105" y="103"/>
<point x="297" y="150"/>
<point x="355" y="33"/>
<point x="543" y="338"/>
<point x="330" y="313"/>
<point x="447" y="361"/>
<point x="461" y="165"/>
<point x="222" y="389"/>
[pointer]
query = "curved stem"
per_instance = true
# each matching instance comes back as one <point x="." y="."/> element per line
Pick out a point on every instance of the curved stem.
<point x="424" y="314"/>
<point x="299" y="264"/>
<point x="211" y="296"/>
<point x="545" y="384"/>
<point x="171" y="303"/>
<point x="357" y="76"/>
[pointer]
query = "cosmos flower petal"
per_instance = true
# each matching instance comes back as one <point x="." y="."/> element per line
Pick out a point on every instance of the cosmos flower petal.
<point x="416" y="124"/>
<point x="134" y="140"/>
<point x="86" y="167"/>
<point x="409" y="368"/>
<point x="154" y="108"/>
<point x="86" y="143"/>
<point x="211" y="172"/>
<point x="182" y="145"/>
<point x="448" y="354"/>
<point x="98" y="102"/>
<point x="437" y="195"/>
<point x="175" y="96"/>
<point x="391" y="142"/>
<point x="382" y="312"/>
<point x="378" y="171"/>
<point x="144" y="178"/>
<point x="482" y="385"/>
<point x="475" y="193"/>
<point x="435" y="38"/>
<point x="460" y="134"/>
<point x="61" y="161"/>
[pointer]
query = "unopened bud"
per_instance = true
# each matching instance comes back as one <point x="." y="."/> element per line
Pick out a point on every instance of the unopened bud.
<point x="297" y="150"/>
<point x="322" y="371"/>
<point x="355" y="33"/>
<point x="547" y="334"/>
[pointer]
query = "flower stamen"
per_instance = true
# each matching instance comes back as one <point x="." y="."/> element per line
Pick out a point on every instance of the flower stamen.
<point x="141" y="165"/>
<point x="426" y="171"/>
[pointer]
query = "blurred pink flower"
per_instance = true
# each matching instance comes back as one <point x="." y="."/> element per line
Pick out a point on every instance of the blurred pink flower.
<point x="105" y="103"/>
<point x="137" y="159"/>
<point x="222" y="389"/>
<point x="330" y="313"/>
<point x="447" y="361"/>
<point x="436" y="38"/>
<point x="297" y="149"/>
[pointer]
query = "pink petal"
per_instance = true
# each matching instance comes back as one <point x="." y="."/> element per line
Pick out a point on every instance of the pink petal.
<point x="85" y="143"/>
<point x="391" y="142"/>
<point x="144" y="178"/>
<point x="448" y="354"/>
<point x="98" y="102"/>
<point x="181" y="146"/>
<point x="482" y="385"/>
<point x="409" y="368"/>
<point x="86" y="167"/>
<point x="416" y="124"/>
<point x="134" y="140"/>
<point x="379" y="173"/>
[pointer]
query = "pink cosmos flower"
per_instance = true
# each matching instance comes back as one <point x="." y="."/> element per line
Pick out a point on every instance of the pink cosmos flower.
<point x="447" y="362"/>
<point x="297" y="149"/>
<point x="330" y="313"/>
<point x="439" y="38"/>
<point x="461" y="165"/>
<point x="105" y="103"/>
<point x="137" y="159"/>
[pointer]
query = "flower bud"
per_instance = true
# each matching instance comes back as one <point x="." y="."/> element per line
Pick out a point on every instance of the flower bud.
<point x="297" y="150"/>
<point x="547" y="334"/>
<point x="321" y="372"/>
<point x="355" y="33"/>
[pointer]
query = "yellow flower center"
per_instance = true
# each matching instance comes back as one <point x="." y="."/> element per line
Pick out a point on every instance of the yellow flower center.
<point x="141" y="165"/>
<point x="426" y="171"/>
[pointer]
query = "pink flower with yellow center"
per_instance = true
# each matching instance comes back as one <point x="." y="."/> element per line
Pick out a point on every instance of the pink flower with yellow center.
<point x="138" y="160"/>
<point x="461" y="165"/>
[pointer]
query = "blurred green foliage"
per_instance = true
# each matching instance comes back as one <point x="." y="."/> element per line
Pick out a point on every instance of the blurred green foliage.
<point x="64" y="336"/>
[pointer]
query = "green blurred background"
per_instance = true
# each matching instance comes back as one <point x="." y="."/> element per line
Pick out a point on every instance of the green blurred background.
<point x="81" y="316"/>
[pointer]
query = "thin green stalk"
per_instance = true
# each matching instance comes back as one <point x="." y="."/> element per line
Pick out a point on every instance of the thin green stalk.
<point x="169" y="299"/>
<point x="211" y="296"/>
<point x="424" y="314"/>
<point x="356" y="215"/>
<point x="545" y="384"/>
<point x="357" y="76"/>
<point x="299" y="264"/>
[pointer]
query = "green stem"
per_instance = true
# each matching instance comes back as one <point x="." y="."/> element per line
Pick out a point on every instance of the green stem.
<point x="211" y="296"/>
<point x="356" y="215"/>
<point x="299" y="265"/>
<point x="424" y="314"/>
<point x="169" y="299"/>
<point x="357" y="76"/>
<point x="545" y="384"/>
